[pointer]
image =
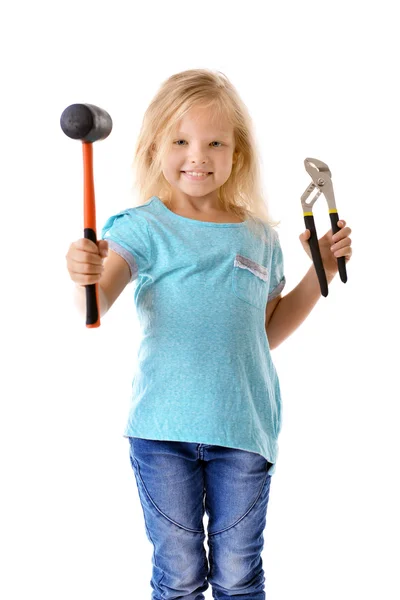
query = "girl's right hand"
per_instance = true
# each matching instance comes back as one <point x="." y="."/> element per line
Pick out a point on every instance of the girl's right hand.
<point x="85" y="260"/>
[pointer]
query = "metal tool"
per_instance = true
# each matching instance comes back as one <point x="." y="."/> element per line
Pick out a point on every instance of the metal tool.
<point x="321" y="179"/>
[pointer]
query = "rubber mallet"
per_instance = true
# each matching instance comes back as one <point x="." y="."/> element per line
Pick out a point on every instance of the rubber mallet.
<point x="88" y="123"/>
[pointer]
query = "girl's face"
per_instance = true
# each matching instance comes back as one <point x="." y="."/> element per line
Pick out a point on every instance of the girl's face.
<point x="200" y="144"/>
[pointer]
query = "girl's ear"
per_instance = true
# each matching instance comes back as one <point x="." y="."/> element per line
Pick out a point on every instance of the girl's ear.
<point x="235" y="157"/>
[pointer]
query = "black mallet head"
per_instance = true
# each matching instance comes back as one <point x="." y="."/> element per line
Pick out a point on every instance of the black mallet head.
<point x="86" y="122"/>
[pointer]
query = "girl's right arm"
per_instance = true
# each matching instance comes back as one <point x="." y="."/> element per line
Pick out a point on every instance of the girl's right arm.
<point x="85" y="266"/>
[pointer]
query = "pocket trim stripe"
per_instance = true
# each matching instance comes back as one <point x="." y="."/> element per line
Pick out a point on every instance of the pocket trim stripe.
<point x="252" y="266"/>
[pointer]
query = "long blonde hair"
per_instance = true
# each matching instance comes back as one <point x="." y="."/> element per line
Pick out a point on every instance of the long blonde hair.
<point x="242" y="194"/>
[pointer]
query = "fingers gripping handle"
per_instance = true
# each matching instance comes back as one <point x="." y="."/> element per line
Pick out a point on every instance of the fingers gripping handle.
<point x="316" y="255"/>
<point x="92" y="292"/>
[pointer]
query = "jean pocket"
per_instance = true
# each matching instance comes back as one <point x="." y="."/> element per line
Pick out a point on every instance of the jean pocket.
<point x="250" y="281"/>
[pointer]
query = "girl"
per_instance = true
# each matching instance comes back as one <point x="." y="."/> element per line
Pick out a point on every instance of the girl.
<point x="209" y="273"/>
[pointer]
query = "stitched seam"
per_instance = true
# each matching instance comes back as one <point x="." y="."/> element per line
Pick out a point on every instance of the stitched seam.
<point x="148" y="230"/>
<point x="151" y="243"/>
<point x="150" y="237"/>
<point x="160" y="511"/>
<point x="245" y="514"/>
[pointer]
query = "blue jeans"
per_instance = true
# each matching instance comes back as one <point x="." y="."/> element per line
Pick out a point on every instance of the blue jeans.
<point x="177" y="483"/>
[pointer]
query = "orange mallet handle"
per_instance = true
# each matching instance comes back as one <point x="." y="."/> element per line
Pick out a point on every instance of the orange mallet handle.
<point x="89" y="217"/>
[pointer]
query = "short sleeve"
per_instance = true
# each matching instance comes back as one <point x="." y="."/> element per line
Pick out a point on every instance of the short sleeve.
<point x="127" y="234"/>
<point x="277" y="278"/>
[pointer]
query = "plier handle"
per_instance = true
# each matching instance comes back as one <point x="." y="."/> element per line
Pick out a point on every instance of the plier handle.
<point x="321" y="179"/>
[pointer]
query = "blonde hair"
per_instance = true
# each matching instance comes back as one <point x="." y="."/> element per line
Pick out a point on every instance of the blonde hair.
<point x="242" y="194"/>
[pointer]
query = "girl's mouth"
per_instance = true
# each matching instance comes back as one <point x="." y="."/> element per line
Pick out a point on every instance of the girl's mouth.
<point x="197" y="177"/>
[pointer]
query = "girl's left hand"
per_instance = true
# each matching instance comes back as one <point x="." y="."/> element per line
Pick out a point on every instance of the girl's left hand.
<point x="331" y="247"/>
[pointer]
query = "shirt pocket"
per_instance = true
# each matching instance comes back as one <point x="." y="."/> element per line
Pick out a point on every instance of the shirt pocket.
<point x="250" y="281"/>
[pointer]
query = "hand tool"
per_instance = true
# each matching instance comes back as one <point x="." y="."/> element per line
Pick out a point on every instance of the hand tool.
<point x="89" y="124"/>
<point x="321" y="179"/>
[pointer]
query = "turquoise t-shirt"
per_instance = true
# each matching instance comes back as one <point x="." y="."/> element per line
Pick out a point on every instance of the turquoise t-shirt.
<point x="204" y="370"/>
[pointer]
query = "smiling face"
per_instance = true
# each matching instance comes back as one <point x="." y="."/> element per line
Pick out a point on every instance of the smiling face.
<point x="199" y="144"/>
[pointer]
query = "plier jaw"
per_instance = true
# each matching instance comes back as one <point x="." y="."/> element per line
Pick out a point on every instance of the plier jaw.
<point x="322" y="180"/>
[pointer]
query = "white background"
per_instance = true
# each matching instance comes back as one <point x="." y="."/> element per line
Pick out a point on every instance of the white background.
<point x="320" y="80"/>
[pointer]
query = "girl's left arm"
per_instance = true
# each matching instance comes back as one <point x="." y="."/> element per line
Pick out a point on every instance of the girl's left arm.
<point x="293" y="308"/>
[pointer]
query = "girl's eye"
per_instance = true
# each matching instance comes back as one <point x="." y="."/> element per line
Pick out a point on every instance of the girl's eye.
<point x="211" y="142"/>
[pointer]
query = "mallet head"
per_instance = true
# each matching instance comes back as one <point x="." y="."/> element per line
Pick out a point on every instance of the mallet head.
<point x="86" y="122"/>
